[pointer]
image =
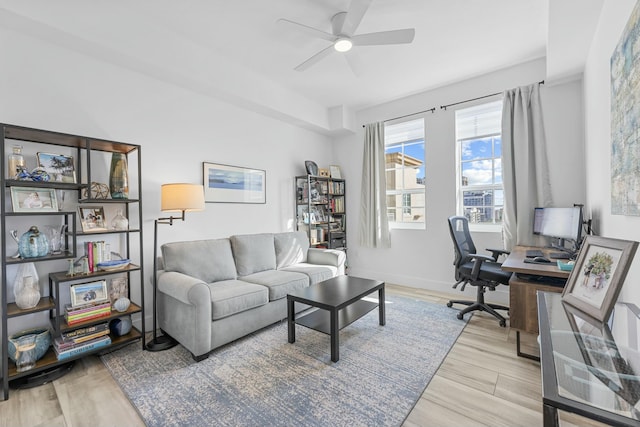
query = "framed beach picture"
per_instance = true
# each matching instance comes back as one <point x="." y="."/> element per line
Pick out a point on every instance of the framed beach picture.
<point x="89" y="293"/>
<point x="598" y="275"/>
<point x="233" y="184"/>
<point x="91" y="218"/>
<point x="32" y="199"/>
<point x="58" y="166"/>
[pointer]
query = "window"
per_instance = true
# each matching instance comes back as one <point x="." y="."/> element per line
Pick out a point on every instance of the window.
<point x="405" y="173"/>
<point x="479" y="165"/>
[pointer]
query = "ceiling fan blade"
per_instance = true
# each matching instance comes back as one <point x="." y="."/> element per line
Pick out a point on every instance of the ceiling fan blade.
<point x="354" y="16"/>
<point x="315" y="58"/>
<point x="384" y="37"/>
<point x="314" y="32"/>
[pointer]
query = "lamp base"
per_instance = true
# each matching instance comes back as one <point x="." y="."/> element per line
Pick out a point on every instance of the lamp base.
<point x="163" y="342"/>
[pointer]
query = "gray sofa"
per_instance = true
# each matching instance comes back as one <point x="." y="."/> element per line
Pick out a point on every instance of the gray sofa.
<point x="212" y="292"/>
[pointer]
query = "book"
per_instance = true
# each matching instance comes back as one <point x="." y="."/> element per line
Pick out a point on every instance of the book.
<point x="87" y="330"/>
<point x="83" y="348"/>
<point x="71" y="322"/>
<point x="62" y="344"/>
<point x="87" y="308"/>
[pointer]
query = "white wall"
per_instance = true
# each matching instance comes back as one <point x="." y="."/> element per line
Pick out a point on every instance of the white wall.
<point x="48" y="87"/>
<point x="423" y="258"/>
<point x="597" y="89"/>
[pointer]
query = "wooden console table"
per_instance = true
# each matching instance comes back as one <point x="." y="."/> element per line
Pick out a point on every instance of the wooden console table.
<point x="526" y="281"/>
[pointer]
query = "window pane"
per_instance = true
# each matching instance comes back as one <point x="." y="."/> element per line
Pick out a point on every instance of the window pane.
<point x="479" y="172"/>
<point x="477" y="149"/>
<point x="498" y="170"/>
<point x="497" y="146"/>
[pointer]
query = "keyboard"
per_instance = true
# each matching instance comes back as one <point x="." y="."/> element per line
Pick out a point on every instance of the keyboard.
<point x="559" y="255"/>
<point x="532" y="253"/>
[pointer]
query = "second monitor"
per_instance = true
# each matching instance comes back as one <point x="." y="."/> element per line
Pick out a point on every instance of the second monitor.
<point x="559" y="223"/>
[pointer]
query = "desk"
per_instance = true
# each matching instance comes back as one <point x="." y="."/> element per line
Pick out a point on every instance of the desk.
<point x="588" y="367"/>
<point x="526" y="281"/>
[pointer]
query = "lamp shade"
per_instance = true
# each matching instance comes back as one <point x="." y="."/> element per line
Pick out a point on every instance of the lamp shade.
<point x="182" y="197"/>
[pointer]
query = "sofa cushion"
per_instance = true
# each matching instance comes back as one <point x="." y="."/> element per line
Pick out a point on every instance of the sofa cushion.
<point x="208" y="260"/>
<point x="291" y="248"/>
<point x="253" y="253"/>
<point x="229" y="297"/>
<point x="316" y="273"/>
<point x="279" y="282"/>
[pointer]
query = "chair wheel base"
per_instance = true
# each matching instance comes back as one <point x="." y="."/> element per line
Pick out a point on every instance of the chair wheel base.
<point x="449" y="304"/>
<point x="460" y="316"/>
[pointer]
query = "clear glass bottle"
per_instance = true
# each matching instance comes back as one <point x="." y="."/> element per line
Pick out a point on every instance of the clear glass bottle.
<point x="120" y="222"/>
<point x="16" y="162"/>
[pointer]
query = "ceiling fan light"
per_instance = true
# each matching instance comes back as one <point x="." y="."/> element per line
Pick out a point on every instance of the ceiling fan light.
<point x="343" y="45"/>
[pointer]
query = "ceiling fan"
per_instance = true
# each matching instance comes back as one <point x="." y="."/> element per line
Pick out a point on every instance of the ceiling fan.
<point x="342" y="37"/>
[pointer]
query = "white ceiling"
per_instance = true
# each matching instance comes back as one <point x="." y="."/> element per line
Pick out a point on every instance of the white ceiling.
<point x="235" y="50"/>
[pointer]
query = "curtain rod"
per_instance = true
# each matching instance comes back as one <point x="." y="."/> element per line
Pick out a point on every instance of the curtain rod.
<point x="433" y="110"/>
<point x="444" y="107"/>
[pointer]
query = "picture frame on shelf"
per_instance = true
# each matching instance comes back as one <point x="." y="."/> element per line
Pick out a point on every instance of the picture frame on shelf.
<point x="32" y="199"/>
<point x="59" y="167"/>
<point x="598" y="275"/>
<point x="89" y="293"/>
<point x="118" y="288"/>
<point x="324" y="172"/>
<point x="336" y="173"/>
<point x="233" y="184"/>
<point x="91" y="218"/>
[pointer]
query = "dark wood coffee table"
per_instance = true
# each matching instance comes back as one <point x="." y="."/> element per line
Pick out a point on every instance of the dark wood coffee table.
<point x="340" y="302"/>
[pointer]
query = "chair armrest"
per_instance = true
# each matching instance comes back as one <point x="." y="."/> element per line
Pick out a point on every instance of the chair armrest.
<point x="332" y="257"/>
<point x="495" y="253"/>
<point x="479" y="259"/>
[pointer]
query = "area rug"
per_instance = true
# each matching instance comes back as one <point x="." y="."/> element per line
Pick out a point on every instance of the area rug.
<point x="261" y="380"/>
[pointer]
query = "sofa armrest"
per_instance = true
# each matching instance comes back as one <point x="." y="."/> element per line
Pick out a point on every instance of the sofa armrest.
<point x="184" y="311"/>
<point x="184" y="288"/>
<point x="332" y="257"/>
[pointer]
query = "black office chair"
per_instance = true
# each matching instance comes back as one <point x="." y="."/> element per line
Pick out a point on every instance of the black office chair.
<point x="481" y="271"/>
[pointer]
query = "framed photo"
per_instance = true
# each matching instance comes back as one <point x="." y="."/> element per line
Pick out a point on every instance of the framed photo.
<point x="233" y="184"/>
<point x="32" y="199"/>
<point x="598" y="275"/>
<point x="91" y="218"/>
<point x="58" y="166"/>
<point x="118" y="287"/>
<point x="335" y="172"/>
<point x="89" y="293"/>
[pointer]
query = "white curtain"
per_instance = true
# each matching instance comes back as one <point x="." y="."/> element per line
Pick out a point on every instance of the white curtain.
<point x="524" y="164"/>
<point x="374" y="226"/>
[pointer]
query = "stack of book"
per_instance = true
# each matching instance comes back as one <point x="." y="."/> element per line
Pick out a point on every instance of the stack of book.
<point x="81" y="340"/>
<point x="84" y="313"/>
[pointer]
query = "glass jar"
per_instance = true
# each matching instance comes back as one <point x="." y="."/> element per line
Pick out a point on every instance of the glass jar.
<point x="120" y="222"/>
<point x="16" y="162"/>
<point x="26" y="353"/>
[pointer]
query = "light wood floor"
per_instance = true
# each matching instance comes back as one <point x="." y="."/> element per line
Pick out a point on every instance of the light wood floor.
<point x="482" y="382"/>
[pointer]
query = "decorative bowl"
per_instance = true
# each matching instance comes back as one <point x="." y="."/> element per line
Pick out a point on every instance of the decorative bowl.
<point x="43" y="341"/>
<point x="113" y="265"/>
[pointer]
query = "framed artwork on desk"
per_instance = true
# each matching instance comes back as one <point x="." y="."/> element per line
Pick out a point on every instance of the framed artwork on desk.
<point x="598" y="275"/>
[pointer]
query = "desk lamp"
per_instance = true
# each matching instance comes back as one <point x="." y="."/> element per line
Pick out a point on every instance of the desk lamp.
<point x="174" y="198"/>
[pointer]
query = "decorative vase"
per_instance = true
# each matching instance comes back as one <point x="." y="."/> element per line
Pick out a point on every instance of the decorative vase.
<point x="120" y="326"/>
<point x="118" y="177"/>
<point x="27" y="293"/>
<point x="33" y="244"/>
<point x="120" y="222"/>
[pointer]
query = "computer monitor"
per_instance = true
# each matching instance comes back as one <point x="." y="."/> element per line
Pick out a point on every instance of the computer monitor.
<point x="559" y="223"/>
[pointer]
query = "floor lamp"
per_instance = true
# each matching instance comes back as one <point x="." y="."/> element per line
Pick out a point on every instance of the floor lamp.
<point x="174" y="198"/>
